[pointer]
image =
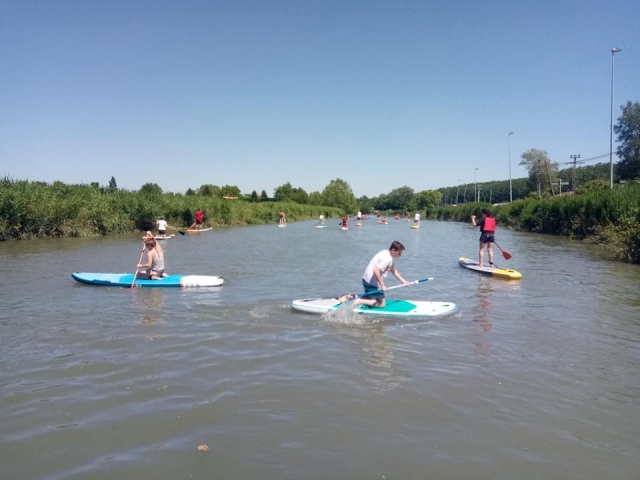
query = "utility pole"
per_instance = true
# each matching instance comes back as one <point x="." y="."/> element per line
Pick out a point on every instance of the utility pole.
<point x="575" y="161"/>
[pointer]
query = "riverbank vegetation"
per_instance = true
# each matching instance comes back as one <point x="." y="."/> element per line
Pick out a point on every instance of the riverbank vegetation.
<point x="610" y="217"/>
<point x="38" y="210"/>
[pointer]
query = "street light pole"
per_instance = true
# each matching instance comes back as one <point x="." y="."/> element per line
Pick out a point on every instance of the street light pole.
<point x="457" y="190"/>
<point x="510" y="184"/>
<point x="475" y="193"/>
<point x="613" y="52"/>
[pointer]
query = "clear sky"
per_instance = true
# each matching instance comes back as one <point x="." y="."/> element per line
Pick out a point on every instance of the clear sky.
<point x="257" y="93"/>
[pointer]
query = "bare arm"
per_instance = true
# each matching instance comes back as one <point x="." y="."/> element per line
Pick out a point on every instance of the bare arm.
<point x="398" y="276"/>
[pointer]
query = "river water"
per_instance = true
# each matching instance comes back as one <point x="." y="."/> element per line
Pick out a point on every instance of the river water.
<point x="538" y="378"/>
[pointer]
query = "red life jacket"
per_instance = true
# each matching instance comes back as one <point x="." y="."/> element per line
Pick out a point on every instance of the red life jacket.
<point x="489" y="225"/>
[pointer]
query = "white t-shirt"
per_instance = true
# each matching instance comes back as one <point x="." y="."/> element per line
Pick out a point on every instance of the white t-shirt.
<point x="384" y="261"/>
<point x="359" y="215"/>
<point x="416" y="218"/>
<point x="162" y="224"/>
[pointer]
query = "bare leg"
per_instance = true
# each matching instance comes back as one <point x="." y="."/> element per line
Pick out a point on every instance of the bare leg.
<point x="481" y="254"/>
<point x="490" y="249"/>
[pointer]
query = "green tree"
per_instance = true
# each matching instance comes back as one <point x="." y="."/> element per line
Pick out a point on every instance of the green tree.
<point x="254" y="196"/>
<point x="208" y="190"/>
<point x="112" y="184"/>
<point x="315" y="198"/>
<point x="628" y="135"/>
<point x="151" y="189"/>
<point x="427" y="199"/>
<point x="542" y="172"/>
<point x="339" y="194"/>
<point x="298" y="195"/>
<point x="400" y="198"/>
<point x="190" y="192"/>
<point x="264" y="196"/>
<point x="283" y="193"/>
<point x="230" y="191"/>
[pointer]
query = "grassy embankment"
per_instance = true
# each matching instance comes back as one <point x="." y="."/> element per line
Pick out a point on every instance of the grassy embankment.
<point x="38" y="210"/>
<point x="608" y="217"/>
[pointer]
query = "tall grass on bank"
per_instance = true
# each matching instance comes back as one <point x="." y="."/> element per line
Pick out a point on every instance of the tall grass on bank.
<point x="609" y="217"/>
<point x="37" y="210"/>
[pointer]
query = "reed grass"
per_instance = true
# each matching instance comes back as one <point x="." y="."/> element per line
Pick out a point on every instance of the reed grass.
<point x="37" y="210"/>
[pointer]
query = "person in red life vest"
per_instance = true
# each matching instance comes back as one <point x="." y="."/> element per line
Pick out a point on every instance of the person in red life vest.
<point x="487" y="226"/>
<point x="344" y="221"/>
<point x="283" y="219"/>
<point x="199" y="216"/>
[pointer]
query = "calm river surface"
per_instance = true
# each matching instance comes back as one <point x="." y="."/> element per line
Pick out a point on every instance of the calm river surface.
<point x="536" y="379"/>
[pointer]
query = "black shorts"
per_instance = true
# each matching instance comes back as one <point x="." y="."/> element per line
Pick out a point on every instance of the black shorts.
<point x="371" y="288"/>
<point x="487" y="238"/>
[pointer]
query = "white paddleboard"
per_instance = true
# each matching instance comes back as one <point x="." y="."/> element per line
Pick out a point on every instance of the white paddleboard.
<point x="393" y="308"/>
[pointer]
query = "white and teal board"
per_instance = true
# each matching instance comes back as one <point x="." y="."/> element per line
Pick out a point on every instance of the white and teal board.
<point x="126" y="279"/>
<point x="393" y="308"/>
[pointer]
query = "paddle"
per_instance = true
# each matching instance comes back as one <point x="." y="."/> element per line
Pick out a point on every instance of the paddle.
<point x="182" y="233"/>
<point x="506" y="255"/>
<point x="139" y="260"/>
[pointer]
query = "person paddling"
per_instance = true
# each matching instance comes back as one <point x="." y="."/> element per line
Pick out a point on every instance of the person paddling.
<point x="373" y="276"/>
<point x="321" y="220"/>
<point x="153" y="269"/>
<point x="487" y="226"/>
<point x="344" y="221"/>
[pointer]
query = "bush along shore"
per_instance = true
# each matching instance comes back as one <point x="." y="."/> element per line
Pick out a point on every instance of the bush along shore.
<point x="608" y="217"/>
<point x="38" y="210"/>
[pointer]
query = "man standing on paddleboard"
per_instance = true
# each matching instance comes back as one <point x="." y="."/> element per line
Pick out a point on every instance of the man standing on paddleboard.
<point x="487" y="226"/>
<point x="373" y="276"/>
<point x="199" y="215"/>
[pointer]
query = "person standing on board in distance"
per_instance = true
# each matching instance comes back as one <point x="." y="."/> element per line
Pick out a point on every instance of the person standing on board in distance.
<point x="487" y="226"/>
<point x="283" y="219"/>
<point x="162" y="227"/>
<point x="344" y="221"/>
<point x="358" y="216"/>
<point x="199" y="216"/>
<point x="373" y="276"/>
<point x="406" y="215"/>
<point x="154" y="266"/>
<point x="321" y="219"/>
<point x="416" y="219"/>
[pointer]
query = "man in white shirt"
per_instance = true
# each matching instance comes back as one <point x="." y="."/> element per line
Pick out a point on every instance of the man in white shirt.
<point x="373" y="276"/>
<point x="162" y="227"/>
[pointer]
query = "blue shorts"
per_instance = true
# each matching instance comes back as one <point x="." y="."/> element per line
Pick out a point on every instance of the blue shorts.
<point x="371" y="288"/>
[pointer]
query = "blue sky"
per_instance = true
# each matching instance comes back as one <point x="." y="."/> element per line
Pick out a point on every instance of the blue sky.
<point x="381" y="94"/>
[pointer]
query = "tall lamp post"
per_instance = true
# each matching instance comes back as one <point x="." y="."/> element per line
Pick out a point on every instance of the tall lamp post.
<point x="510" y="184"/>
<point x="613" y="52"/>
<point x="457" y="190"/>
<point x="475" y="193"/>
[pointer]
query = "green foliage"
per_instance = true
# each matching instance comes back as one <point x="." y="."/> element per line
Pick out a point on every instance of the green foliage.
<point x="112" y="183"/>
<point x="36" y="209"/>
<point x="628" y="132"/>
<point x="230" y="191"/>
<point x="208" y="190"/>
<point x="264" y="196"/>
<point x="151" y="189"/>
<point x="399" y="198"/>
<point x="427" y="199"/>
<point x="610" y="217"/>
<point x="339" y="194"/>
<point x="592" y="186"/>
